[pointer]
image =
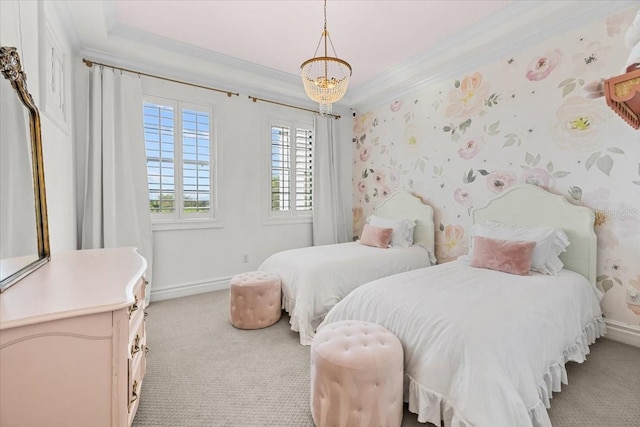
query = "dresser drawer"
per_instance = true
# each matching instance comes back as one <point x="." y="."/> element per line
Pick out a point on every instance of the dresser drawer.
<point x="138" y="295"/>
<point x="137" y="368"/>
<point x="137" y="337"/>
<point x="136" y="348"/>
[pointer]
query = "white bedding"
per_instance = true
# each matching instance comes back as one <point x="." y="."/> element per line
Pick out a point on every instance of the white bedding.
<point x="315" y="278"/>
<point x="482" y="348"/>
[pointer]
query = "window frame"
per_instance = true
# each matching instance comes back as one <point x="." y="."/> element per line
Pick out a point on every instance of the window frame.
<point x="179" y="219"/>
<point x="290" y="216"/>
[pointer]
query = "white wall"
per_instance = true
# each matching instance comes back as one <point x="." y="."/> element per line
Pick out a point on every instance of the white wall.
<point x="189" y="261"/>
<point x="20" y="26"/>
<point x="185" y="261"/>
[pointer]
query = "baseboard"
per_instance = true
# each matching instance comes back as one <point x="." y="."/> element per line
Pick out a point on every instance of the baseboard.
<point x="190" y="288"/>
<point x="623" y="332"/>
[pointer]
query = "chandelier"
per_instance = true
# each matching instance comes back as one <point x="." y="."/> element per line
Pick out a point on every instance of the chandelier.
<point x="325" y="78"/>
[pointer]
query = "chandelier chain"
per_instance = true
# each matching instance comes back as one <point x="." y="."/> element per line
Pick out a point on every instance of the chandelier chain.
<point x="325" y="15"/>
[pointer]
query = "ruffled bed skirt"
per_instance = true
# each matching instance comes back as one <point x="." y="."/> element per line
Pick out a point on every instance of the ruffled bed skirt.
<point x="306" y="331"/>
<point x="434" y="408"/>
<point x="288" y="304"/>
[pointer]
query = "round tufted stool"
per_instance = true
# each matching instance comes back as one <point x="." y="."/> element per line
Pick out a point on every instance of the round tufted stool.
<point x="254" y="300"/>
<point x="356" y="376"/>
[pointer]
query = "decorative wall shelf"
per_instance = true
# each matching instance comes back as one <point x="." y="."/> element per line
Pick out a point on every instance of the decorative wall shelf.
<point x="623" y="96"/>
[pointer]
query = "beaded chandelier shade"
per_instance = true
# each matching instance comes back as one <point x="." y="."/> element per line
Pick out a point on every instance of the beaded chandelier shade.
<point x="325" y="78"/>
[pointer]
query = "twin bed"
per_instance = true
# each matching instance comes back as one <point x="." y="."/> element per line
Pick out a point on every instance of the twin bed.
<point x="484" y="347"/>
<point x="315" y="278"/>
<point x="481" y="347"/>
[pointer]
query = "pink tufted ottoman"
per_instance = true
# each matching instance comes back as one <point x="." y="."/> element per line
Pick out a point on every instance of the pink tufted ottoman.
<point x="356" y="376"/>
<point x="254" y="300"/>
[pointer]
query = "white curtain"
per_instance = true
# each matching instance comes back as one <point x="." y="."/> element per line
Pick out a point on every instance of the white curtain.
<point x="113" y="202"/>
<point x="329" y="219"/>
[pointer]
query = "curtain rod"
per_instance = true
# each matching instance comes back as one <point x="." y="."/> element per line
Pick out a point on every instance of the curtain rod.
<point x="90" y="64"/>
<point x="255" y="98"/>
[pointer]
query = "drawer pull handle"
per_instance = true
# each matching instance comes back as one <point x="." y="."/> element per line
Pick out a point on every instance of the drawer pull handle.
<point x="134" y="307"/>
<point x="136" y="346"/>
<point x="146" y="314"/>
<point x="134" y="395"/>
<point x="146" y="349"/>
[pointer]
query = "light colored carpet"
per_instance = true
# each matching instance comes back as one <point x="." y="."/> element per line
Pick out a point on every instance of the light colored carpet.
<point x="201" y="371"/>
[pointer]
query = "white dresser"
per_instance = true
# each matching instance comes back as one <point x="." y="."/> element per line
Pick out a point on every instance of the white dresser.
<point x="73" y="342"/>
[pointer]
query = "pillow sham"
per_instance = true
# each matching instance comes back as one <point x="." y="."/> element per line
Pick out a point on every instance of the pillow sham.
<point x="509" y="256"/>
<point x="375" y="236"/>
<point x="550" y="242"/>
<point x="402" y="234"/>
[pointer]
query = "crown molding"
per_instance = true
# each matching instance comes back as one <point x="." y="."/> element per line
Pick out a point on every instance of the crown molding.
<point x="58" y="13"/>
<point x="130" y="48"/>
<point x="483" y="43"/>
<point x="520" y="25"/>
<point x="123" y="33"/>
<point x="271" y="92"/>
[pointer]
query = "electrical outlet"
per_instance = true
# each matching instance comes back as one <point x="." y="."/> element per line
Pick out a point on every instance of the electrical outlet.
<point x="245" y="258"/>
<point x="633" y="297"/>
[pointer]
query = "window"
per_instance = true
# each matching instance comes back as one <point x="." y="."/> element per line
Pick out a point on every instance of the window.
<point x="179" y="148"/>
<point x="291" y="170"/>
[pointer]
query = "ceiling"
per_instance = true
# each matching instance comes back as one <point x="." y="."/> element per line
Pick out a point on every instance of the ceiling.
<point x="372" y="36"/>
<point x="387" y="43"/>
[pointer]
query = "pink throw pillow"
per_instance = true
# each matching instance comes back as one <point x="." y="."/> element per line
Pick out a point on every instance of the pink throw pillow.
<point x="376" y="236"/>
<point x="503" y="255"/>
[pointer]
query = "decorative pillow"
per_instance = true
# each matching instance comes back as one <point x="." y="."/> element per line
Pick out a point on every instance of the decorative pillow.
<point x="550" y="242"/>
<point x="402" y="229"/>
<point x="376" y="236"/>
<point x="512" y="257"/>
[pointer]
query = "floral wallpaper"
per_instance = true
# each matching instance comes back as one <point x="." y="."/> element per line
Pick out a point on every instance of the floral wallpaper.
<point x="522" y="119"/>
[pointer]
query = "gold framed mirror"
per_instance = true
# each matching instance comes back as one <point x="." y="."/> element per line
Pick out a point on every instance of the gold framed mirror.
<point x="24" y="233"/>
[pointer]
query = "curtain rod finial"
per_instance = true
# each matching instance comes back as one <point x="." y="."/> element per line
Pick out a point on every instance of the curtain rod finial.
<point x="87" y="62"/>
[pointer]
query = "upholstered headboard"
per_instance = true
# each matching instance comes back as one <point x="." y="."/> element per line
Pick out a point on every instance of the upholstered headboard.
<point x="402" y="204"/>
<point x="531" y="205"/>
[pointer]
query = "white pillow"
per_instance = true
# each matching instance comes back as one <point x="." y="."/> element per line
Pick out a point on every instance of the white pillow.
<point x="550" y="242"/>
<point x="402" y="234"/>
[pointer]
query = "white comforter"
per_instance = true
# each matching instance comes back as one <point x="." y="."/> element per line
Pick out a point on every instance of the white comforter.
<point x="314" y="279"/>
<point x="482" y="348"/>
